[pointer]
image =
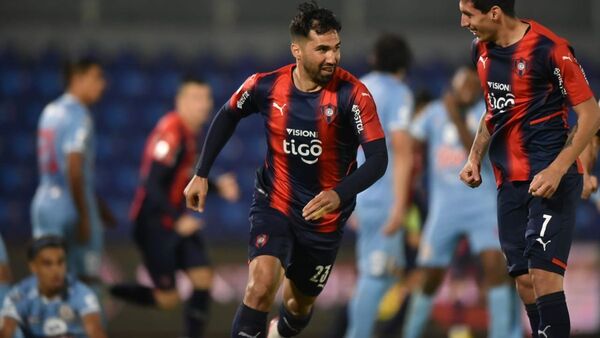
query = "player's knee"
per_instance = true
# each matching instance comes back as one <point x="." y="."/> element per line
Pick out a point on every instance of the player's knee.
<point x="259" y="294"/>
<point x="545" y="282"/>
<point x="166" y="299"/>
<point x="525" y="288"/>
<point x="201" y="278"/>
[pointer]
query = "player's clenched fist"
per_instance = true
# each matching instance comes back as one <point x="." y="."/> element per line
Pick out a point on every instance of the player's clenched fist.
<point x="470" y="174"/>
<point x="324" y="203"/>
<point x="195" y="193"/>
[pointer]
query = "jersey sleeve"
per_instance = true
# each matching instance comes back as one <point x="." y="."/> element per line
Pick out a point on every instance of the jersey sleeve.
<point x="77" y="133"/>
<point x="568" y="75"/>
<point x="243" y="101"/>
<point x="364" y="119"/>
<point x="402" y="108"/>
<point x="85" y="301"/>
<point x="165" y="147"/>
<point x="420" y="127"/>
<point x="11" y="306"/>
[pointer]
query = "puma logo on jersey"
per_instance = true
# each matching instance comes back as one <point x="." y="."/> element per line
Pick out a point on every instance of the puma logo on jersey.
<point x="365" y="94"/>
<point x="567" y="58"/>
<point x="542" y="242"/>
<point x="543" y="332"/>
<point x="244" y="334"/>
<point x="280" y="108"/>
<point x="483" y="60"/>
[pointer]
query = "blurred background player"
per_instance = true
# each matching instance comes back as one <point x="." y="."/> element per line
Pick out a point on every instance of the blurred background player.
<point x="530" y="76"/>
<point x="5" y="276"/>
<point x="65" y="203"/>
<point x="447" y="127"/>
<point x="381" y="209"/>
<point x="50" y="303"/>
<point x="169" y="238"/>
<point x="316" y="115"/>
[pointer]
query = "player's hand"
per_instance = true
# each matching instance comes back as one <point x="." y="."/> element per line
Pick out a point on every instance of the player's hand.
<point x="187" y="224"/>
<point x="590" y="185"/>
<point x="195" y="193"/>
<point x="545" y="183"/>
<point x="228" y="187"/>
<point x="324" y="203"/>
<point x="395" y="222"/>
<point x="83" y="230"/>
<point x="470" y="174"/>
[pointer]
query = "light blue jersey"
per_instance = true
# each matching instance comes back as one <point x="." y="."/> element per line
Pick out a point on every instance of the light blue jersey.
<point x="66" y="127"/>
<point x="454" y="208"/>
<point x="39" y="316"/>
<point x="379" y="256"/>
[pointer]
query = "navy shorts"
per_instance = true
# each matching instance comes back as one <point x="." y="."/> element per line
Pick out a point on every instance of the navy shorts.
<point x="164" y="251"/>
<point x="537" y="232"/>
<point x="307" y="256"/>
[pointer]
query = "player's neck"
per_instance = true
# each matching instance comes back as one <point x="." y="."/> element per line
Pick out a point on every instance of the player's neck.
<point x="512" y="31"/>
<point x="48" y="292"/>
<point x="303" y="82"/>
<point x="78" y="96"/>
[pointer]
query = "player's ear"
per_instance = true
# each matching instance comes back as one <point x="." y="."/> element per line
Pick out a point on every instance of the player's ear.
<point x="295" y="49"/>
<point x="495" y="13"/>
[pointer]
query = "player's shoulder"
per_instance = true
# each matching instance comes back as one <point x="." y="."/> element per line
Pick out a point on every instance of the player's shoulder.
<point x="77" y="288"/>
<point x="23" y="291"/>
<point x="170" y="122"/>
<point x="545" y="32"/>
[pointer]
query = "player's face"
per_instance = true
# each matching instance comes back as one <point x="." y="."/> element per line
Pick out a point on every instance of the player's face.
<point x="92" y="84"/>
<point x="480" y="24"/>
<point x="50" y="268"/>
<point x="195" y="102"/>
<point x="320" y="55"/>
<point x="466" y="87"/>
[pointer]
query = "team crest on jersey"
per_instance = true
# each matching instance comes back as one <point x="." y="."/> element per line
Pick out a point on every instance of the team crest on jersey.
<point x="520" y="66"/>
<point x="66" y="312"/>
<point x="261" y="240"/>
<point x="329" y="112"/>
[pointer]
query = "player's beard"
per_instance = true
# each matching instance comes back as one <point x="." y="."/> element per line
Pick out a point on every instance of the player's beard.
<point x="321" y="73"/>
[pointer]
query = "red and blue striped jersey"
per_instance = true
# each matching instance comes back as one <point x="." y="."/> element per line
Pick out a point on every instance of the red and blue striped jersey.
<point x="312" y="137"/>
<point x="528" y="87"/>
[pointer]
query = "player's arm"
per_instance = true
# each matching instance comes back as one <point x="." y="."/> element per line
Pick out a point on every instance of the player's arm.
<point x="241" y="104"/>
<point x="569" y="77"/>
<point x="9" y="327"/>
<point x="588" y="159"/>
<point x="76" y="178"/>
<point x="470" y="174"/>
<point x="108" y="218"/>
<point x="457" y="117"/>
<point x="92" y="324"/>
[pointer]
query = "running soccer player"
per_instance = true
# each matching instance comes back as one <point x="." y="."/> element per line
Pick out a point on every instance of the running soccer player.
<point x="447" y="127"/>
<point x="169" y="238"/>
<point x="316" y="115"/>
<point x="380" y="209"/>
<point x="529" y="76"/>
<point x="65" y="203"/>
<point x="50" y="303"/>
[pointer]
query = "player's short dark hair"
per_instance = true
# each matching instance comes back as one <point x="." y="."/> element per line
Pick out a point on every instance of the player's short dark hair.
<point x="79" y="66"/>
<point x="312" y="17"/>
<point x="45" y="242"/>
<point x="190" y="79"/>
<point x="507" y="6"/>
<point x="391" y="53"/>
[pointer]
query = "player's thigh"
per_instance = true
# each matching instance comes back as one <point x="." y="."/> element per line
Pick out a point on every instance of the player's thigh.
<point x="378" y="255"/>
<point x="52" y="216"/>
<point x="158" y="246"/>
<point x="270" y="235"/>
<point x="512" y="223"/>
<point x="438" y="242"/>
<point x="312" y="260"/>
<point x="550" y="226"/>
<point x="192" y="257"/>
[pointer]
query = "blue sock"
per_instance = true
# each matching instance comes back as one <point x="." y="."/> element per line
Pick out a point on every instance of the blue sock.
<point x="418" y="314"/>
<point x="499" y="302"/>
<point x="195" y="313"/>
<point x="364" y="305"/>
<point x="289" y="325"/>
<point x="534" y="318"/>
<point x="249" y="323"/>
<point x="4" y="288"/>
<point x="554" y="316"/>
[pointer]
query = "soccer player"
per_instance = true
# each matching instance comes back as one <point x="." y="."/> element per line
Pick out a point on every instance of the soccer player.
<point x="529" y="76"/>
<point x="381" y="209"/>
<point x="316" y="115"/>
<point x="4" y="271"/>
<point x="50" y="303"/>
<point x="169" y="238"/>
<point x="447" y="127"/>
<point x="65" y="203"/>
